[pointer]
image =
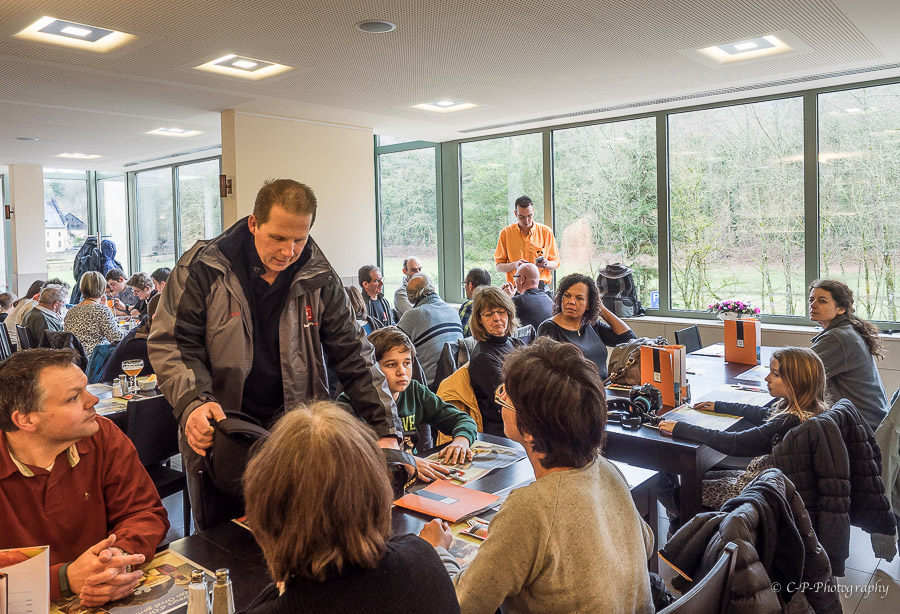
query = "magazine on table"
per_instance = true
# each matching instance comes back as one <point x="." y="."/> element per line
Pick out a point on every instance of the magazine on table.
<point x="164" y="588"/>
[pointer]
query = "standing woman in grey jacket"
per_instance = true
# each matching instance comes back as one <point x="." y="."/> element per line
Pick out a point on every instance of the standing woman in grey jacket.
<point x="848" y="347"/>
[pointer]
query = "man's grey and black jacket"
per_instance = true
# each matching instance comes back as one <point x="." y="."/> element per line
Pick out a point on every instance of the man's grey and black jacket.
<point x="201" y="344"/>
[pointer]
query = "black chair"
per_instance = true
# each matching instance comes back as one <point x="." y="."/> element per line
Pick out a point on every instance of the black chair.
<point x="453" y="355"/>
<point x="525" y="333"/>
<point x="57" y="340"/>
<point x="24" y="339"/>
<point x="689" y="337"/>
<point x="711" y="594"/>
<point x="6" y="346"/>
<point x="152" y="428"/>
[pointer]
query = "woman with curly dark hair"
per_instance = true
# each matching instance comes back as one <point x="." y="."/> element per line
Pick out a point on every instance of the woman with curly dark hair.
<point x="848" y="347"/>
<point x="582" y="320"/>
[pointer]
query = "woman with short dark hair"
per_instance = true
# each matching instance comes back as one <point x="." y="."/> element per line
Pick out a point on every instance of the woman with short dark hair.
<point x="319" y="502"/>
<point x="848" y="347"/>
<point x="493" y="321"/>
<point x="572" y="541"/>
<point x="580" y="318"/>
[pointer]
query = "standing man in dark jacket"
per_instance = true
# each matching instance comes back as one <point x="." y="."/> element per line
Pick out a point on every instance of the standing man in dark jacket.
<point x="243" y="324"/>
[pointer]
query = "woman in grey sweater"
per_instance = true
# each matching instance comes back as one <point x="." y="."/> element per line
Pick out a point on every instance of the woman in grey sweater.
<point x="848" y="347"/>
<point x="572" y="541"/>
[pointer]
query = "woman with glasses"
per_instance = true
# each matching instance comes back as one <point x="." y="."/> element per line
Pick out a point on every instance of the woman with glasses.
<point x="572" y="540"/>
<point x="582" y="320"/>
<point x="493" y="321"/>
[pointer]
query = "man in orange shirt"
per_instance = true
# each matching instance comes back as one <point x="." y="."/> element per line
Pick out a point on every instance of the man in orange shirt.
<point x="527" y="241"/>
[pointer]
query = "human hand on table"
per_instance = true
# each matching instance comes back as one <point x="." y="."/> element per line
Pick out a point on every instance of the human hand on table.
<point x="457" y="453"/>
<point x="437" y="533"/>
<point x="705" y="406"/>
<point x="667" y="426"/>
<point x="430" y="470"/>
<point x="198" y="430"/>
<point x="103" y="573"/>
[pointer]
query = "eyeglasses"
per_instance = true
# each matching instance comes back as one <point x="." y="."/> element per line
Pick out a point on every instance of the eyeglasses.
<point x="518" y="276"/>
<point x="502" y="399"/>
<point x="493" y="312"/>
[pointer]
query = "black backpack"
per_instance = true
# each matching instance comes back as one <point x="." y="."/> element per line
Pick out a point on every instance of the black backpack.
<point x="617" y="291"/>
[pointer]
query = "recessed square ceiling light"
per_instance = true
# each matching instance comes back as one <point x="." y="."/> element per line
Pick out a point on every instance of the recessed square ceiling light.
<point x="177" y="132"/>
<point x="79" y="156"/>
<point x="754" y="44"/>
<point x="444" y="105"/>
<point x="76" y="35"/>
<point x="246" y="68"/>
<point x="748" y="49"/>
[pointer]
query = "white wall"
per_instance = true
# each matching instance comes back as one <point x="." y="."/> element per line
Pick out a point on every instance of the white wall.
<point x="337" y="162"/>
<point x="29" y="253"/>
<point x="712" y="331"/>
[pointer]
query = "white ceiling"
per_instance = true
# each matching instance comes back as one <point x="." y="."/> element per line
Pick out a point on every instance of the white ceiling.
<point x="522" y="60"/>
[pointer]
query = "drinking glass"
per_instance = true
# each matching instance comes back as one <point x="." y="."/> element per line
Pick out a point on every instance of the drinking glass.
<point x="131" y="369"/>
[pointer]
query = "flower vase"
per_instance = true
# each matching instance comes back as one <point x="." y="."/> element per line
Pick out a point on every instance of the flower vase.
<point x="729" y="315"/>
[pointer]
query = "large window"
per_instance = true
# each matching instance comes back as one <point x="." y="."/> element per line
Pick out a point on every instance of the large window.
<point x="191" y="189"/>
<point x="113" y="215"/>
<point x="605" y="198"/>
<point x="199" y="204"/>
<point x="408" y="214"/>
<point x="65" y="220"/>
<point x="744" y="213"/>
<point x="859" y="195"/>
<point x="495" y="172"/>
<point x="736" y="190"/>
<point x="156" y="226"/>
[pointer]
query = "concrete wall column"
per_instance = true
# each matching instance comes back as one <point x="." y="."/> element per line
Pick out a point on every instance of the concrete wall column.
<point x="337" y="162"/>
<point x="29" y="252"/>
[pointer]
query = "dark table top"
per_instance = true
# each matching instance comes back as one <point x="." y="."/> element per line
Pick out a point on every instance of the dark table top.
<point x="233" y="546"/>
<point x="647" y="447"/>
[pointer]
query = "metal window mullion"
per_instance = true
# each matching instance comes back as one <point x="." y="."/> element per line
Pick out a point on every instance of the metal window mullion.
<point x="379" y="223"/>
<point x="134" y="235"/>
<point x="663" y="211"/>
<point x="451" y="213"/>
<point x="811" y="256"/>
<point x="439" y="216"/>
<point x="176" y="210"/>
<point x="549" y="187"/>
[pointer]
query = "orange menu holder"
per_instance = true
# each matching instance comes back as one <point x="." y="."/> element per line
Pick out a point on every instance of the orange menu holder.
<point x="742" y="341"/>
<point x="664" y="367"/>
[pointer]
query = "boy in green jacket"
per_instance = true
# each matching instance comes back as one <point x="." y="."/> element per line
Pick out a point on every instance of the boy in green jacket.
<point x="416" y="404"/>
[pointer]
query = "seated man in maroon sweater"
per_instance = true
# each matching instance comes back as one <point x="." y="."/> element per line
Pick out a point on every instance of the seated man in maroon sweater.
<point x="71" y="479"/>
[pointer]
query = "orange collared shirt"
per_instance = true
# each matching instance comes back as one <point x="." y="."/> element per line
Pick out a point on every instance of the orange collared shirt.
<point x="513" y="245"/>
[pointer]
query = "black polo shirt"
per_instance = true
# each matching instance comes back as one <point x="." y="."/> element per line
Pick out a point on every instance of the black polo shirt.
<point x="264" y="388"/>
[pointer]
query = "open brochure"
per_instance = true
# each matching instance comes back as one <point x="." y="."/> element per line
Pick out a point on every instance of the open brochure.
<point x="25" y="581"/>
<point x="712" y="421"/>
<point x="164" y="588"/>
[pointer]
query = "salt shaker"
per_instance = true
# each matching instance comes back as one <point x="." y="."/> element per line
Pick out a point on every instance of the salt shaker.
<point x="223" y="596"/>
<point x="198" y="594"/>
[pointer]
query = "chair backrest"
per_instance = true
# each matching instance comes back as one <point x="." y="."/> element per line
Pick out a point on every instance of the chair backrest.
<point x="24" y="339"/>
<point x="525" y="333"/>
<point x="711" y="594"/>
<point x="689" y="337"/>
<point x="5" y="343"/>
<point x="59" y="339"/>
<point x="152" y="428"/>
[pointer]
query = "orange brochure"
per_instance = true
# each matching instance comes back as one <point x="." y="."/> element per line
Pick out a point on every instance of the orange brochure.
<point x="442" y="499"/>
<point x="665" y="367"/>
<point x="742" y="341"/>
